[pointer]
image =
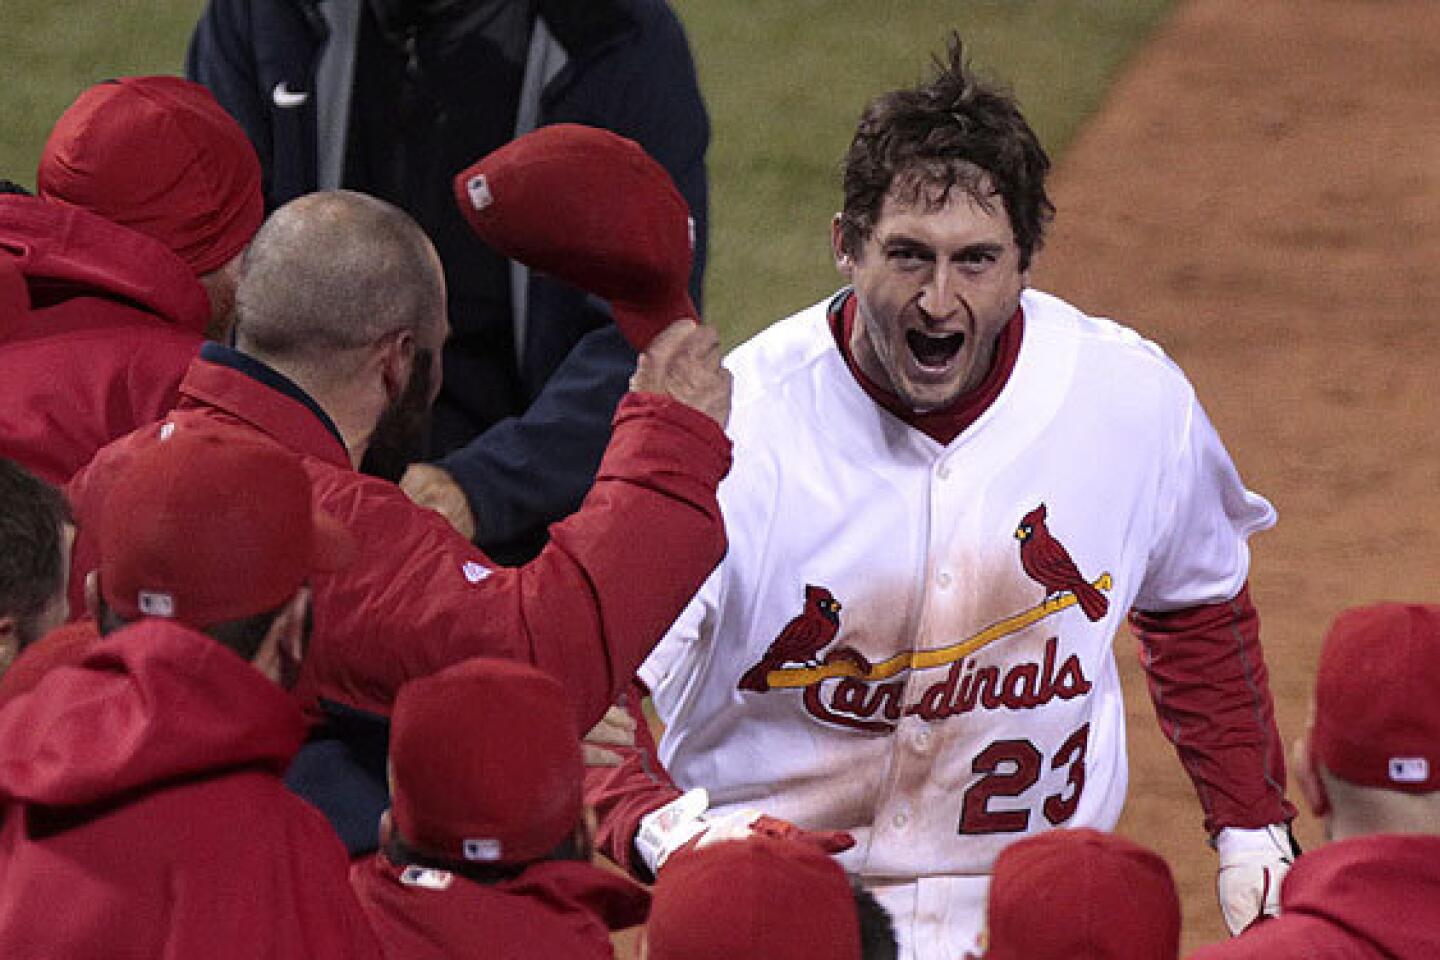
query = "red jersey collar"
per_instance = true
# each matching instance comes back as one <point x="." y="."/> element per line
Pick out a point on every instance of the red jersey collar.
<point x="227" y="380"/>
<point x="947" y="423"/>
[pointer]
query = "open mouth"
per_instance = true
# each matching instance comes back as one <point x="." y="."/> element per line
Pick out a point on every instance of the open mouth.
<point x="934" y="352"/>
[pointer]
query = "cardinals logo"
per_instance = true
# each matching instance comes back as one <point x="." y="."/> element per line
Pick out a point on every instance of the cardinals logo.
<point x="842" y="688"/>
<point x="811" y="630"/>
<point x="1048" y="563"/>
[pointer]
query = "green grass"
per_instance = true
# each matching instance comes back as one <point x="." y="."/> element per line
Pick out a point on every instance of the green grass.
<point x="51" y="50"/>
<point x="785" y="81"/>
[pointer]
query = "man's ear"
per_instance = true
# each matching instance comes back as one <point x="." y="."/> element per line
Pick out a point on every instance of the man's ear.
<point x="283" y="649"/>
<point x="386" y="827"/>
<point x="844" y="261"/>
<point x="397" y="361"/>
<point x="1307" y="777"/>
<point x="9" y="641"/>
<point x="585" y="829"/>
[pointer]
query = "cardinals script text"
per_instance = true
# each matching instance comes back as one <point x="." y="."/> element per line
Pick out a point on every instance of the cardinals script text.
<point x="967" y="686"/>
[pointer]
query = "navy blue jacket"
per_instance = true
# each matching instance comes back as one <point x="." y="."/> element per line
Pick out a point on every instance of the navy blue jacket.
<point x="630" y="72"/>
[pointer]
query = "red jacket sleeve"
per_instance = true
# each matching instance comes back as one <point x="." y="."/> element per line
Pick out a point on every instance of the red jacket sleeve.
<point x="1211" y="693"/>
<point x="587" y="610"/>
<point x="622" y="795"/>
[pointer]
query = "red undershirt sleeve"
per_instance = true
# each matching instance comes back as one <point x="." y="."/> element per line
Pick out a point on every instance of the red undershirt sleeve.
<point x="622" y="795"/>
<point x="1211" y="692"/>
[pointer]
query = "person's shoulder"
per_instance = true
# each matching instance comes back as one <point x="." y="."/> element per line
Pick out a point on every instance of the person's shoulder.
<point x="358" y="500"/>
<point x="259" y="18"/>
<point x="644" y="36"/>
<point x="782" y="377"/>
<point x="1104" y="344"/>
<point x="1288" y="935"/>
<point x="782" y="351"/>
<point x="653" y="15"/>
<point x="392" y="530"/>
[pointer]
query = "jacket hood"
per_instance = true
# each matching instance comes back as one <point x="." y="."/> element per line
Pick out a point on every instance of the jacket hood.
<point x="618" y="901"/>
<point x="151" y="703"/>
<point x="1364" y="885"/>
<point x="64" y="252"/>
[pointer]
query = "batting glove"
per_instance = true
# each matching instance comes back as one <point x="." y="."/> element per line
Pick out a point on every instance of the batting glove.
<point x="682" y="824"/>
<point x="1252" y="865"/>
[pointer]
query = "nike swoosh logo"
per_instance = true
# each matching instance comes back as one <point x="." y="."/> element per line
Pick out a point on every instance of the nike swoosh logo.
<point x="285" y="98"/>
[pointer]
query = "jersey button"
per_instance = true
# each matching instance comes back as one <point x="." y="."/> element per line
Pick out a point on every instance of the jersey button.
<point x="922" y="740"/>
<point x="899" y="821"/>
<point x="943" y="579"/>
<point x="944" y="472"/>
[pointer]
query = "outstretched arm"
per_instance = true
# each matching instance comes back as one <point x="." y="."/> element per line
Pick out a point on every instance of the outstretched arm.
<point x="636" y="784"/>
<point x="1211" y="693"/>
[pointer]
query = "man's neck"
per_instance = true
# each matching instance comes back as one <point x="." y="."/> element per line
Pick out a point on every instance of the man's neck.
<point x="355" y="427"/>
<point x="1384" y="811"/>
<point x="289" y="379"/>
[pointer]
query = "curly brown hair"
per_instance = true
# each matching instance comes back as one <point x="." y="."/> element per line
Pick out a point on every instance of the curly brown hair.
<point x="954" y="131"/>
<point x="32" y="568"/>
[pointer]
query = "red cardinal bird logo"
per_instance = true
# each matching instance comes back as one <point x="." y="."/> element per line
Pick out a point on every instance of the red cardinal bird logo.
<point x="804" y="636"/>
<point x="1047" y="562"/>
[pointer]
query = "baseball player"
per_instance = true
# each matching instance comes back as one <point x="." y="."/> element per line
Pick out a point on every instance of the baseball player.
<point x="949" y="490"/>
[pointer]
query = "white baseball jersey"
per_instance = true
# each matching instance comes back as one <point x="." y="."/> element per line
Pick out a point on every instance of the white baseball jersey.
<point x="912" y="641"/>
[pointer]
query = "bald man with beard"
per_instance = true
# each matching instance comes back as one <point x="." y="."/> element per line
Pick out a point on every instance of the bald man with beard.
<point x="393" y="98"/>
<point x="340" y="317"/>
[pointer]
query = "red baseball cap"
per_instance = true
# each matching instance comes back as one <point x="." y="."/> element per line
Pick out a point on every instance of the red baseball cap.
<point x="1377" y="716"/>
<point x="592" y="209"/>
<point x="206" y="525"/>
<point x="1064" y="894"/>
<point x="485" y="762"/>
<point x="161" y="156"/>
<point x="757" y="897"/>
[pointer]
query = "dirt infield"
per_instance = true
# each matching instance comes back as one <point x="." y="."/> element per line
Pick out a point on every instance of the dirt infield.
<point x="1261" y="195"/>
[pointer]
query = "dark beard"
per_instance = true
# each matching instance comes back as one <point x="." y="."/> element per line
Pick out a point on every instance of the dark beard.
<point x="400" y="435"/>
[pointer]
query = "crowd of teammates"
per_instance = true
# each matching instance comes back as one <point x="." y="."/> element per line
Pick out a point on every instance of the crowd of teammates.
<point x="298" y="712"/>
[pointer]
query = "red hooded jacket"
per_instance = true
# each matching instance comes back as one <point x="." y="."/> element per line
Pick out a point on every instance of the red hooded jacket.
<point x="1365" y="898"/>
<point x="145" y="817"/>
<point x="420" y="597"/>
<point x="554" y="909"/>
<point x="115" y="319"/>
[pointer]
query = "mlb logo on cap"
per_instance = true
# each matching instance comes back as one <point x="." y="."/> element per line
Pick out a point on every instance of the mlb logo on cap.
<point x="154" y="604"/>
<point x="484" y="849"/>
<point x="1409" y="769"/>
<point x="479" y="191"/>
